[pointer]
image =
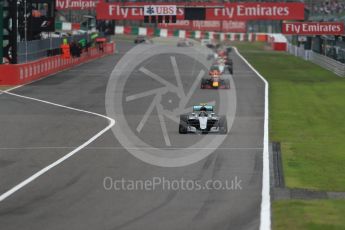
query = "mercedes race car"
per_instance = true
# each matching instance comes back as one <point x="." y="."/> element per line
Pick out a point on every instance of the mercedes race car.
<point x="203" y="120"/>
<point x="215" y="81"/>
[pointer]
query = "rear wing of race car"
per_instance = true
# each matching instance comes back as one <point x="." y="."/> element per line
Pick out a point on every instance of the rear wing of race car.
<point x="197" y="108"/>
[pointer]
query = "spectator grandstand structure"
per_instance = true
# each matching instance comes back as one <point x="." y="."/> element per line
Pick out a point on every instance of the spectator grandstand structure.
<point x="319" y="8"/>
<point x="325" y="10"/>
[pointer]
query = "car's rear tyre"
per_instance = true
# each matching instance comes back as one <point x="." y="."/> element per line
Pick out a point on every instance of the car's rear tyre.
<point x="231" y="71"/>
<point x="223" y="125"/>
<point x="183" y="126"/>
<point x="203" y="83"/>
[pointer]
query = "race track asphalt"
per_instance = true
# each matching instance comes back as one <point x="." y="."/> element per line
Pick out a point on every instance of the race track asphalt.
<point x="72" y="195"/>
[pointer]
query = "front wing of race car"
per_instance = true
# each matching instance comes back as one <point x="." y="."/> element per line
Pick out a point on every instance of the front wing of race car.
<point x="193" y="125"/>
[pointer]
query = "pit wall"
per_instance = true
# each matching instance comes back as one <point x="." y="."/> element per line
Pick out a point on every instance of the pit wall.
<point x="130" y="30"/>
<point x="18" y="74"/>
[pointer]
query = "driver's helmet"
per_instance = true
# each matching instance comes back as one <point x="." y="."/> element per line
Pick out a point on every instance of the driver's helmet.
<point x="203" y="111"/>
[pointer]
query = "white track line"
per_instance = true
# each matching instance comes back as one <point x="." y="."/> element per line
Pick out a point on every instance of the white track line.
<point x="65" y="157"/>
<point x="10" y="89"/>
<point x="265" y="215"/>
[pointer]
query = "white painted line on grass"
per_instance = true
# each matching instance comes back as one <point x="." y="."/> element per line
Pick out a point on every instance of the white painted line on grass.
<point x="65" y="157"/>
<point x="265" y="215"/>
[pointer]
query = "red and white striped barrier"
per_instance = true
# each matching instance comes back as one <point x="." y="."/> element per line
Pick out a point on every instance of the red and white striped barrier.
<point x="17" y="74"/>
<point x="169" y="32"/>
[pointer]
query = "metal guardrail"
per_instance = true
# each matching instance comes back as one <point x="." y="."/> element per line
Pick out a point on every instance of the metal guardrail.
<point x="299" y="51"/>
<point x="326" y="62"/>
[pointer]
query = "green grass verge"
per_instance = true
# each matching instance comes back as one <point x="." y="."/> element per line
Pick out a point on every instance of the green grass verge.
<point x="310" y="215"/>
<point x="307" y="104"/>
<point x="307" y="107"/>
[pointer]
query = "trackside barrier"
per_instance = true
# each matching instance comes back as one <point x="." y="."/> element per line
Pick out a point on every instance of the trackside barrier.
<point x="325" y="62"/>
<point x="17" y="74"/>
<point x="299" y="51"/>
<point x="160" y="32"/>
<point x="34" y="50"/>
<point x="261" y="37"/>
<point x="328" y="63"/>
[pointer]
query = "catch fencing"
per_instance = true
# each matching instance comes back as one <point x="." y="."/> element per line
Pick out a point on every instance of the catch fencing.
<point x="37" y="49"/>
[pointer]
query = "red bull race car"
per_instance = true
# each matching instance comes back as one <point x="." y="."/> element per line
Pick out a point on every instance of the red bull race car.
<point x="215" y="81"/>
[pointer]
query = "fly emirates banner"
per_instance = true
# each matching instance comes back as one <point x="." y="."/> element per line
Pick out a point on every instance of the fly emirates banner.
<point x="228" y="11"/>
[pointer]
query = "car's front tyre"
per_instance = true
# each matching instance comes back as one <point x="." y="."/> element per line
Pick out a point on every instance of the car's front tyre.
<point x="223" y="125"/>
<point x="183" y="126"/>
<point x="203" y="83"/>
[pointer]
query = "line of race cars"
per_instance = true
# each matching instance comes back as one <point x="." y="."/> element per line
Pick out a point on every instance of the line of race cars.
<point x="203" y="119"/>
<point x="222" y="63"/>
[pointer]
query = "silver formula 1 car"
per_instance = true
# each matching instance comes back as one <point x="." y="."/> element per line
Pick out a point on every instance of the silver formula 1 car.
<point x="203" y="120"/>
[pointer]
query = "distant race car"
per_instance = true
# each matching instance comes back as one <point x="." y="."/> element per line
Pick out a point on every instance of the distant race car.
<point x="222" y="56"/>
<point x="184" y="43"/>
<point x="225" y="63"/>
<point x="229" y="65"/>
<point x="142" y="39"/>
<point x="222" y="53"/>
<point x="215" y="81"/>
<point x="203" y="120"/>
<point x="229" y="49"/>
